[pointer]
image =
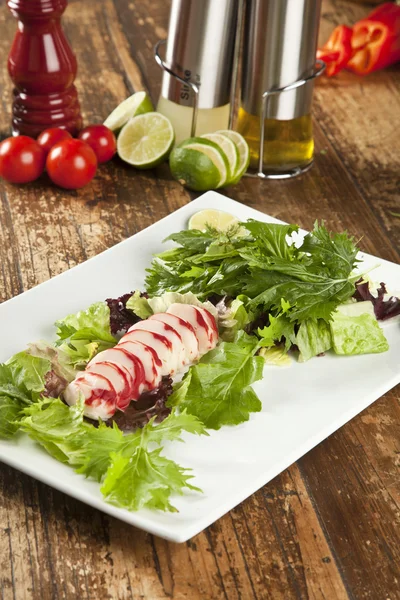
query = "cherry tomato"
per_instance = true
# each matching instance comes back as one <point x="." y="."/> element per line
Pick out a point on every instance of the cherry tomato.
<point x="21" y="159"/>
<point x="71" y="164"/>
<point x="49" y="137"/>
<point x="101" y="140"/>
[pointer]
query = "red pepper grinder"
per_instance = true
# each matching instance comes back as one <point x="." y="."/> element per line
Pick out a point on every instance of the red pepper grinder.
<point x="43" y="67"/>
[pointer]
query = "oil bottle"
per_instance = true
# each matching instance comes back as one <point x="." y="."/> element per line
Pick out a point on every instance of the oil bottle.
<point x="279" y="48"/>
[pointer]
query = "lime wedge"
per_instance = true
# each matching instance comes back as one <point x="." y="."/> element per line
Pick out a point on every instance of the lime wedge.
<point x="137" y="104"/>
<point x="146" y="140"/>
<point x="244" y="152"/>
<point x="229" y="148"/>
<point x="218" y="219"/>
<point x="194" y="169"/>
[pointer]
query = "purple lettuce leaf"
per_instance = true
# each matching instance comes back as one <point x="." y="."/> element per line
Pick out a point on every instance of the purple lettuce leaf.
<point x="384" y="309"/>
<point x="148" y="405"/>
<point x="121" y="318"/>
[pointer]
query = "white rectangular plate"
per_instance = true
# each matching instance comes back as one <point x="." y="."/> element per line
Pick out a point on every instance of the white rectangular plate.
<point x="299" y="410"/>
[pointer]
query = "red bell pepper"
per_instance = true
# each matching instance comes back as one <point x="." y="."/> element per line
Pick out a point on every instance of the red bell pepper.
<point x="337" y="51"/>
<point x="376" y="40"/>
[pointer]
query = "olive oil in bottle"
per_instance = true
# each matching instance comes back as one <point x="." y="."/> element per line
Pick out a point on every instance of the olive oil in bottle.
<point x="288" y="144"/>
<point x="279" y="49"/>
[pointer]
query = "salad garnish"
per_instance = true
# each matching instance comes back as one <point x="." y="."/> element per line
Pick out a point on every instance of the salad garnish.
<point x="275" y="295"/>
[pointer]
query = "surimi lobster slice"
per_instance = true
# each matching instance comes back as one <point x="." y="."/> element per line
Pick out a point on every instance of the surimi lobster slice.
<point x="149" y="359"/>
<point x="185" y="331"/>
<point x="131" y="364"/>
<point x="173" y="337"/>
<point x="204" y="332"/>
<point x="208" y="317"/>
<point x="159" y="343"/>
<point x="118" y="378"/>
<point x="100" y="399"/>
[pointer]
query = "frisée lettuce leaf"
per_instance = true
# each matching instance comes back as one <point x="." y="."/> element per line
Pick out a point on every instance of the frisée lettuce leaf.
<point x="131" y="468"/>
<point x="315" y="276"/>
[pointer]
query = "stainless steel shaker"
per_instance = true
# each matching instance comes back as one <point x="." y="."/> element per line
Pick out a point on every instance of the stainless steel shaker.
<point x="278" y="72"/>
<point x="198" y="65"/>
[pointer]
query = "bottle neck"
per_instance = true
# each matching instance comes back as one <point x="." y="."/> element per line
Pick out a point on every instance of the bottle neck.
<point x="37" y="10"/>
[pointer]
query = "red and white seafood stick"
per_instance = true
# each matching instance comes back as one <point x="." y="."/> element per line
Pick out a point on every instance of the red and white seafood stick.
<point x="185" y="331"/>
<point x="98" y="394"/>
<point x="202" y="321"/>
<point x="160" y="345"/>
<point x="149" y="359"/>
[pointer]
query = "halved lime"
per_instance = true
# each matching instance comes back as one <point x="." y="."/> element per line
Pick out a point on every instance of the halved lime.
<point x="194" y="169"/>
<point x="244" y="152"/>
<point x="137" y="104"/>
<point x="218" y="219"/>
<point x="146" y="140"/>
<point x="216" y="154"/>
<point x="230" y="149"/>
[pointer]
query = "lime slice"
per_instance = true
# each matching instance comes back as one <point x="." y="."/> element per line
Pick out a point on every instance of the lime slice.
<point x="137" y="104"/>
<point x="244" y="152"/>
<point x="218" y="219"/>
<point x="194" y="169"/>
<point x="229" y="148"/>
<point x="146" y="140"/>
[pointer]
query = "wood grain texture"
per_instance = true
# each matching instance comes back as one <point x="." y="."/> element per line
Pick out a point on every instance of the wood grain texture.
<point x="328" y="527"/>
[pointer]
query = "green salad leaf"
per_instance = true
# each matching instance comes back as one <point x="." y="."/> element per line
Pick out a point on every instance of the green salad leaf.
<point x="137" y="475"/>
<point x="355" y="330"/>
<point x="98" y="443"/>
<point x="57" y="427"/>
<point x="144" y="479"/>
<point x="139" y="305"/>
<point x="10" y="414"/>
<point x="313" y="338"/>
<point x="28" y="373"/>
<point x="161" y="303"/>
<point x="233" y="317"/>
<point x="22" y="379"/>
<point x="217" y="389"/>
<point x="84" y="334"/>
<point x="59" y="360"/>
<point x="280" y="329"/>
<point x="133" y="471"/>
<point x="266" y="265"/>
<point x="337" y="252"/>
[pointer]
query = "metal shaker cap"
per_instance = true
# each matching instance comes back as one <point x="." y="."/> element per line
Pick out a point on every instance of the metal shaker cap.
<point x="200" y="49"/>
<point x="280" y="42"/>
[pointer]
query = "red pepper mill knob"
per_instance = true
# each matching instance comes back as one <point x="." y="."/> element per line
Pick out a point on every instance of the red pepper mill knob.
<point x="42" y="67"/>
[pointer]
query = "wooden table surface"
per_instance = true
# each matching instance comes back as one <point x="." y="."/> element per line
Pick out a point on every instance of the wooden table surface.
<point x="328" y="527"/>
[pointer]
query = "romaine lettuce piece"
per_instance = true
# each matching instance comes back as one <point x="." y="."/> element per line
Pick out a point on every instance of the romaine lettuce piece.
<point x="22" y="380"/>
<point x="276" y="356"/>
<point x="355" y="330"/>
<point x="313" y="338"/>
<point x="139" y="305"/>
<point x="160" y="304"/>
